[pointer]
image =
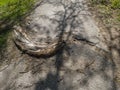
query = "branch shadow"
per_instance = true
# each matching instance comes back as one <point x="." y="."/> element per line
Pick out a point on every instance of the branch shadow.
<point x="52" y="80"/>
<point x="69" y="16"/>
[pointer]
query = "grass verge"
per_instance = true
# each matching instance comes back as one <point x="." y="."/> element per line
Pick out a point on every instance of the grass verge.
<point x="11" y="11"/>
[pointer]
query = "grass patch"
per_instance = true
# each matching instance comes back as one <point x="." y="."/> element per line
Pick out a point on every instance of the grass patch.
<point x="11" y="11"/>
<point x="14" y="9"/>
<point x="115" y="4"/>
<point x="109" y="8"/>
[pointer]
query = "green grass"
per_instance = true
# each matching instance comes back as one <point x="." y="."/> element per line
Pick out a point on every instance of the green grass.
<point x="108" y="8"/>
<point x="99" y="1"/>
<point x="115" y="4"/>
<point x="112" y="3"/>
<point x="12" y="11"/>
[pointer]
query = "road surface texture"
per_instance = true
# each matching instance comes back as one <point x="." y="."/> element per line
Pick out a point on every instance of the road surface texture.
<point x="81" y="63"/>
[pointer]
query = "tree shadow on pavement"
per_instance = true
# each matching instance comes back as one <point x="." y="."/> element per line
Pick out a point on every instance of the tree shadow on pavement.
<point x="68" y="17"/>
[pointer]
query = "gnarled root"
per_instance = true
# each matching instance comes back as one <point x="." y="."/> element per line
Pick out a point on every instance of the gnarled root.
<point x="26" y="45"/>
